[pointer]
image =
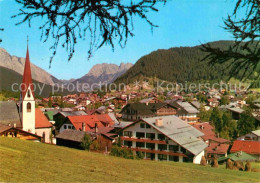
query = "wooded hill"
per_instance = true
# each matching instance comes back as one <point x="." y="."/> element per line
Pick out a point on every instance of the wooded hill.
<point x="179" y="64"/>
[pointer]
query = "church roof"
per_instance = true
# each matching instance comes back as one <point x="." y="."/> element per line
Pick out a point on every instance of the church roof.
<point x="41" y="120"/>
<point x="27" y="76"/>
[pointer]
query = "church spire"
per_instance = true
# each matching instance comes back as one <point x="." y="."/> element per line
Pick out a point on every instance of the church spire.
<point x="27" y="76"/>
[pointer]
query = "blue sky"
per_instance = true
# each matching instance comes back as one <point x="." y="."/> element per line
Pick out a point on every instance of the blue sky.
<point x="181" y="23"/>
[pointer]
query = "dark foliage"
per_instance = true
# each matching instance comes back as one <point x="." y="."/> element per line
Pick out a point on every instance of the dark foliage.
<point x="100" y="21"/>
<point x="245" y="53"/>
<point x="178" y="65"/>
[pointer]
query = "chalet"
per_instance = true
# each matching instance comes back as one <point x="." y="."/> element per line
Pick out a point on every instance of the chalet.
<point x="165" y="138"/>
<point x="62" y="115"/>
<point x="237" y="156"/>
<point x="11" y="131"/>
<point x="252" y="136"/>
<point x="216" y="150"/>
<point x="186" y="111"/>
<point x="213" y="102"/>
<point x="86" y="122"/>
<point x="250" y="147"/>
<point x="135" y="111"/>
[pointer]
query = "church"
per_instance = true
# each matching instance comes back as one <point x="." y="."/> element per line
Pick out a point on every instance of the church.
<point x="24" y="120"/>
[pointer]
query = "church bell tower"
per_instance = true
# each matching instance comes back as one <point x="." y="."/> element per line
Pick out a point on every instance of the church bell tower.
<point x="27" y="101"/>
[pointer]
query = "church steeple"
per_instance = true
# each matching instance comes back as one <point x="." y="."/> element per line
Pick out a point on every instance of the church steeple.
<point x="27" y="76"/>
<point x="27" y="102"/>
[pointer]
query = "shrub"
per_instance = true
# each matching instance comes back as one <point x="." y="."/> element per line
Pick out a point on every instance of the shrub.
<point x="86" y="142"/>
<point x="122" y="152"/>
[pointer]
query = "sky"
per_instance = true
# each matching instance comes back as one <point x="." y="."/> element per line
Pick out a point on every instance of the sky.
<point x="181" y="23"/>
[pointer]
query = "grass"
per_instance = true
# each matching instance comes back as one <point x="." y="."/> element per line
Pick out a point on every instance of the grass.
<point x="26" y="161"/>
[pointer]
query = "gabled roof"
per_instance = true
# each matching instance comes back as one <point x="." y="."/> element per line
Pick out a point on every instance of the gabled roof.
<point x="256" y="132"/>
<point x="238" y="156"/>
<point x="101" y="120"/>
<point x="216" y="148"/>
<point x="188" y="107"/>
<point x="178" y="131"/>
<point x="41" y="120"/>
<point x="71" y="113"/>
<point x="9" y="113"/>
<point x="73" y="135"/>
<point x="250" y="147"/>
<point x="27" y="76"/>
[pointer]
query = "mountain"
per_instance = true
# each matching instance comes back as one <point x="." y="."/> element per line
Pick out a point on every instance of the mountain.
<point x="10" y="77"/>
<point x="178" y="64"/>
<point x="99" y="73"/>
<point x="104" y="73"/>
<point x="17" y="64"/>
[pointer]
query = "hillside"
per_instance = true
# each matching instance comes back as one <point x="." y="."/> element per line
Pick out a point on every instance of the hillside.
<point x="9" y="77"/>
<point x="179" y="64"/>
<point x="27" y="161"/>
<point x="16" y="64"/>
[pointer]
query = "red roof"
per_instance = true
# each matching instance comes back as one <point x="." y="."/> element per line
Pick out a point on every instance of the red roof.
<point x="250" y="147"/>
<point x="101" y="120"/>
<point x="27" y="76"/>
<point x="216" y="148"/>
<point x="209" y="133"/>
<point x="41" y="120"/>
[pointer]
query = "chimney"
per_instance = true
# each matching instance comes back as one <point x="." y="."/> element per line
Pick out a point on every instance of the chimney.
<point x="83" y="127"/>
<point x="96" y="128"/>
<point x="159" y="122"/>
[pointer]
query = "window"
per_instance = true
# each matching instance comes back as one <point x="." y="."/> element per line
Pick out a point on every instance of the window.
<point x="147" y="126"/>
<point x="29" y="107"/>
<point x="128" y="133"/>
<point x="183" y="150"/>
<point x="140" y="134"/>
<point x="150" y="136"/>
<point x="139" y="144"/>
<point x="150" y="156"/>
<point x="150" y="146"/>
<point x="28" y="94"/>
<point x="65" y="126"/>
<point x="142" y="125"/>
<point x="174" y="148"/>
<point x="69" y="126"/>
<point x="161" y="137"/>
<point x="162" y="147"/>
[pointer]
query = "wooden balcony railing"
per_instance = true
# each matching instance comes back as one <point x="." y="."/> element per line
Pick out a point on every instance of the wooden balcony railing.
<point x="147" y="140"/>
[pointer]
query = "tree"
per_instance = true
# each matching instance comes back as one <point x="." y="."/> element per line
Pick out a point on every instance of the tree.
<point x="246" y="123"/>
<point x="100" y="21"/>
<point x="224" y="100"/>
<point x="86" y="142"/>
<point x="243" y="57"/>
<point x="216" y="119"/>
<point x="229" y="126"/>
<point x="204" y="115"/>
<point x="49" y="102"/>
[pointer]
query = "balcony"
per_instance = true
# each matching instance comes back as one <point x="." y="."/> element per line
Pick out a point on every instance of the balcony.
<point x="135" y="139"/>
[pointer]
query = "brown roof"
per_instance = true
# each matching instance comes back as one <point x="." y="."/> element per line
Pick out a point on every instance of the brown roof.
<point x="9" y="113"/>
<point x="72" y="135"/>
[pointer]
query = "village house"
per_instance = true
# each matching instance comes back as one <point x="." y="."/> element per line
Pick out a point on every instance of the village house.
<point x="135" y="111"/>
<point x="165" y="138"/>
<point x="216" y="150"/>
<point x="250" y="147"/>
<point x="89" y="122"/>
<point x="187" y="113"/>
<point x="252" y="136"/>
<point x="151" y="100"/>
<point x="73" y="139"/>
